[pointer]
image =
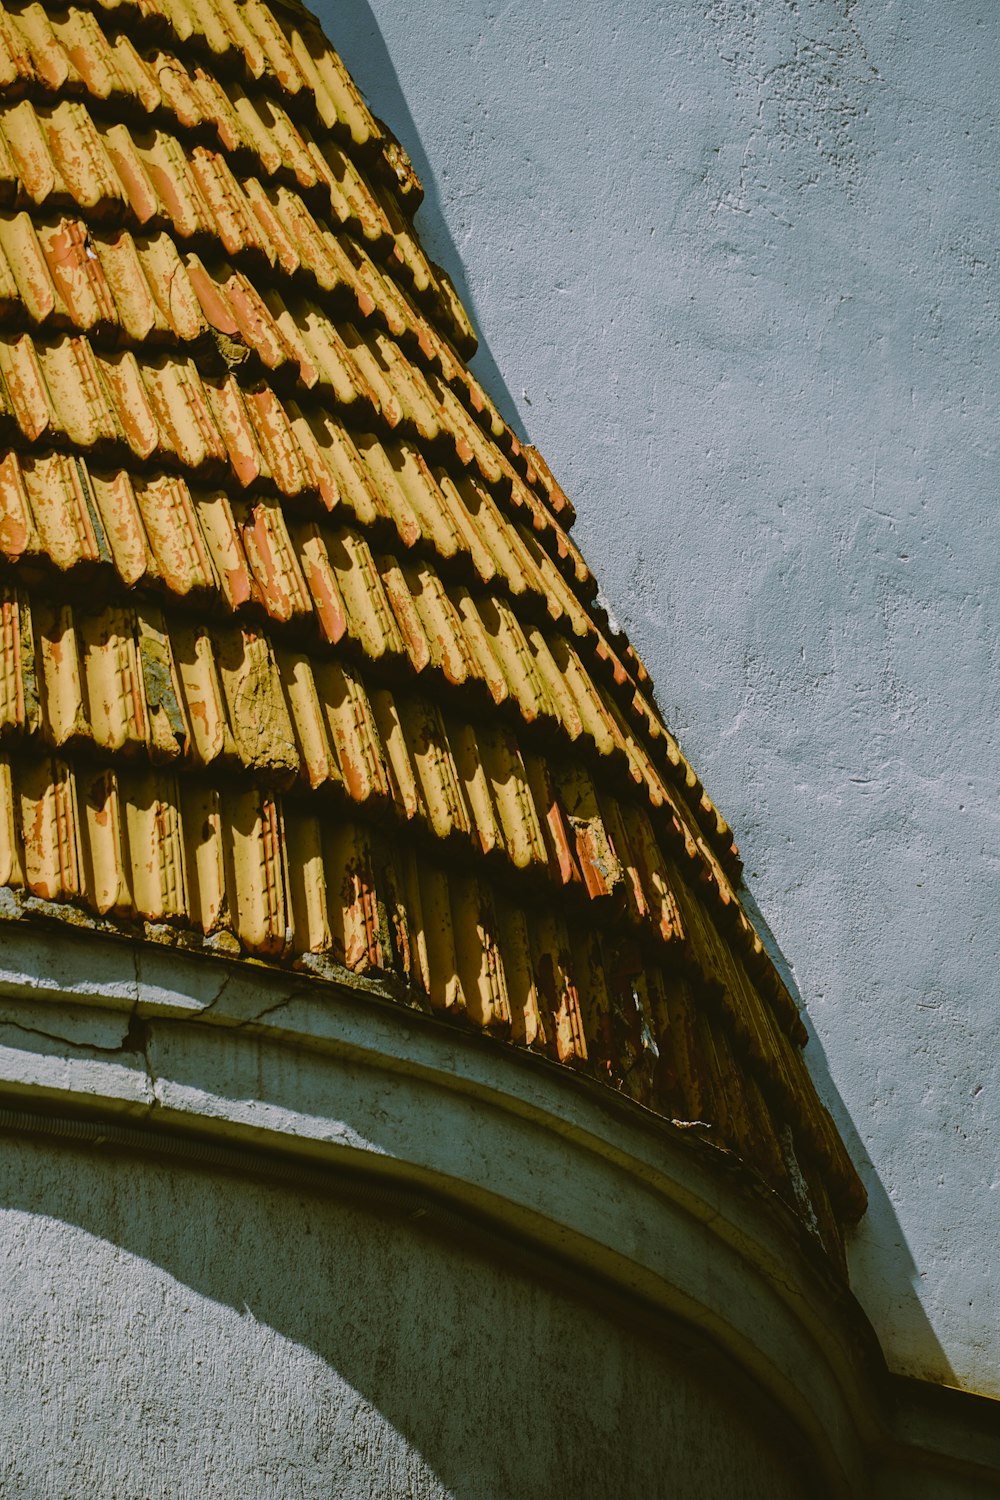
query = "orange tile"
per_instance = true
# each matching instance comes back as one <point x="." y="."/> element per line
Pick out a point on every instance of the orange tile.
<point x="89" y="52"/>
<point x="527" y="1022"/>
<point x="15" y="59"/>
<point x="77" y="393"/>
<point x="430" y="753"/>
<point x="228" y="211"/>
<point x="170" y="518"/>
<point x="121" y="517"/>
<point x="277" y="576"/>
<point x="25" y="395"/>
<point x="319" y="765"/>
<point x="356" y="926"/>
<point x="65" y="511"/>
<point x="370" y="617"/>
<point x="225" y="546"/>
<point x="84" y="169"/>
<point x="183" y="412"/>
<point x="113" y="679"/>
<point x="307" y="890"/>
<point x="167" y="731"/>
<point x="28" y="278"/>
<point x="512" y="797"/>
<point x="78" y="276"/>
<point x="238" y="429"/>
<point x="450" y="650"/>
<point x="250" y="496"/>
<point x="205" y="701"/>
<point x="558" y="825"/>
<point x="559" y="998"/>
<point x="321" y="580"/>
<point x="474" y="781"/>
<point x="28" y="146"/>
<point x="134" y="410"/>
<point x="480" y="967"/>
<point x="134" y="174"/>
<point x="50" y="830"/>
<point x="20" y="711"/>
<point x="137" y="82"/>
<point x="353" y="732"/>
<point x="49" y="827"/>
<point x="201" y="816"/>
<point x="405" y="784"/>
<point x="176" y="89"/>
<point x="444" y="985"/>
<point x="18" y="535"/>
<point x="274" y="438"/>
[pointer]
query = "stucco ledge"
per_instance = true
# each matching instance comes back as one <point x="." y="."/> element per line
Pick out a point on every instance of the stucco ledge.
<point x="251" y="1070"/>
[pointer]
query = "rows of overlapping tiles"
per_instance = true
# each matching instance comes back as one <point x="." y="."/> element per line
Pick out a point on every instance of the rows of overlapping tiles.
<point x="55" y="145"/>
<point x="198" y="199"/>
<point x="325" y="582"/>
<point x="196" y="196"/>
<point x="283" y="874"/>
<point x="297" y="649"/>
<point x="393" y="727"/>
<point x="71" y="390"/>
<point x="277" y="871"/>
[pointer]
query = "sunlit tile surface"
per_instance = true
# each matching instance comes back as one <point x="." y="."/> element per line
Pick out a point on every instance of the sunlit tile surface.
<point x="298" y="659"/>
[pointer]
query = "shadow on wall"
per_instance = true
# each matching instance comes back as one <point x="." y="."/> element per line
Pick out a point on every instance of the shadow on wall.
<point x="239" y="1338"/>
<point x="355" y="33"/>
<point x="879" y="1239"/>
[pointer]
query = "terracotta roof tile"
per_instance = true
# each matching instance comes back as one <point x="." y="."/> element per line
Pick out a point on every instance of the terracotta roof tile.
<point x="297" y="654"/>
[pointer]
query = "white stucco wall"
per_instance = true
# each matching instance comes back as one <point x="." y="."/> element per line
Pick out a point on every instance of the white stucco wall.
<point x="303" y="1349"/>
<point x="735" y="263"/>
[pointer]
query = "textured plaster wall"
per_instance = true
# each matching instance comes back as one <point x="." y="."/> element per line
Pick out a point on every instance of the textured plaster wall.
<point x="735" y="263"/>
<point x="308" y="1350"/>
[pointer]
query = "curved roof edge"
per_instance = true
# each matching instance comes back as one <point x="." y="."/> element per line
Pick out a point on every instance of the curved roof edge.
<point x="299" y="660"/>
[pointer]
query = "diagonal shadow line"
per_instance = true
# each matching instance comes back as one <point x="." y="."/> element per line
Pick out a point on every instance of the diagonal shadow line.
<point x="879" y="1234"/>
<point x="355" y="33"/>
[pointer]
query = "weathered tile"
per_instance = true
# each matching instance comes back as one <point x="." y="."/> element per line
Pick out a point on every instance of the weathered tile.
<point x="296" y="646"/>
<point x="50" y="829"/>
<point x="59" y="676"/>
<point x="256" y="878"/>
<point x="105" y="853"/>
<point x="157" y="859"/>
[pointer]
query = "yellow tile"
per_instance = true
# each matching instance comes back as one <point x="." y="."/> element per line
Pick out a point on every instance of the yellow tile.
<point x="60" y="675"/>
<point x="49" y="829"/>
<point x="255" y="870"/>
<point x="104" y="851"/>
<point x="156" y="845"/>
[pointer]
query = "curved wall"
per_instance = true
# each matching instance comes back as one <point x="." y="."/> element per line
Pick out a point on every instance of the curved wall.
<point x="180" y="1333"/>
<point x="262" y="1234"/>
<point x="735" y="262"/>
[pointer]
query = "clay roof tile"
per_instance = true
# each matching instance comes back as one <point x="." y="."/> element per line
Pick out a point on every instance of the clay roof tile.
<point x="296" y="645"/>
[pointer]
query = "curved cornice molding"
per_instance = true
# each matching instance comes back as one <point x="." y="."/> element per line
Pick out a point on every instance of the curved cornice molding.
<point x="298" y="656"/>
<point x="238" y="1068"/>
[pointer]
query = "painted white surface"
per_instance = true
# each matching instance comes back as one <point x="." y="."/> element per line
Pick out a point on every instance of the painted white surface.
<point x="332" y="1079"/>
<point x="263" y="1236"/>
<point x="295" y="1348"/>
<point x="735" y="262"/>
<point x="281" y="1295"/>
